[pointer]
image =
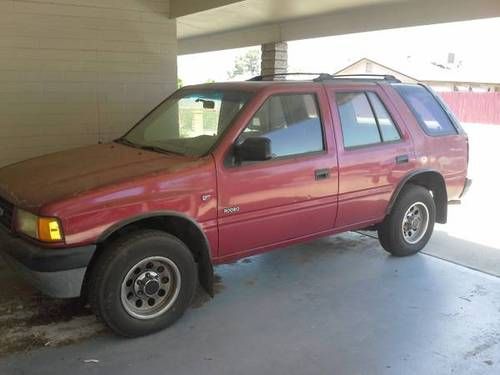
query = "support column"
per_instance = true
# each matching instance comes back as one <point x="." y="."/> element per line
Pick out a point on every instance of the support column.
<point x="274" y="58"/>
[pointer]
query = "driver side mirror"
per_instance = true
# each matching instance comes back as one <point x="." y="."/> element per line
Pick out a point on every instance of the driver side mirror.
<point x="253" y="149"/>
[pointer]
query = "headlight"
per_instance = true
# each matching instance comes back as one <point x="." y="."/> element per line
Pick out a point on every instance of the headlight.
<point x="46" y="229"/>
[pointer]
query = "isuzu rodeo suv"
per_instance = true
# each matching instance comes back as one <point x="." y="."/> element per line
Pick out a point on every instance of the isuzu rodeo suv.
<point x="222" y="171"/>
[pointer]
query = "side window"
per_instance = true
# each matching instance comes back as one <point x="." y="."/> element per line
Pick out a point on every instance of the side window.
<point x="291" y="122"/>
<point x="365" y="120"/>
<point x="387" y="128"/>
<point x="359" y="127"/>
<point x="428" y="112"/>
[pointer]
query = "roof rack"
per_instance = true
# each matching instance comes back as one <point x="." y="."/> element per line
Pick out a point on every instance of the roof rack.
<point x="328" y="77"/>
<point x="261" y="77"/>
<point x="368" y="77"/>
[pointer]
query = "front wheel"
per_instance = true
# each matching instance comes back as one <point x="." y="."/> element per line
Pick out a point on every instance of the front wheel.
<point x="408" y="228"/>
<point x="142" y="283"/>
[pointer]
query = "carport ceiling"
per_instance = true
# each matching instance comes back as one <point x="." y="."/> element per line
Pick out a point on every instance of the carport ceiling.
<point x="241" y="14"/>
<point x="220" y="24"/>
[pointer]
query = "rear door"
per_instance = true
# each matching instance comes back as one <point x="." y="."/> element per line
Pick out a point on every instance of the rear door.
<point x="293" y="195"/>
<point x="374" y="149"/>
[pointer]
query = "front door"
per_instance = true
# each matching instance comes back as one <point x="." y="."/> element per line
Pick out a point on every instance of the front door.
<point x="294" y="194"/>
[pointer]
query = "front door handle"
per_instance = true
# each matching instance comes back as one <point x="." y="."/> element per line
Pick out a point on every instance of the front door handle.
<point x="401" y="159"/>
<point x="321" y="174"/>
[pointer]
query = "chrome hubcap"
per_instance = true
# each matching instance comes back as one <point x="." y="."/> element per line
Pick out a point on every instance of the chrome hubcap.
<point x="415" y="222"/>
<point x="150" y="287"/>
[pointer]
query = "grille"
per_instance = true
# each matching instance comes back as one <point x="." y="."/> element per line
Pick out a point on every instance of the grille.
<point x="6" y="209"/>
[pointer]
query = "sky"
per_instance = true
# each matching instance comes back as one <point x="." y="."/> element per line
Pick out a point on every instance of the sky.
<point x="474" y="43"/>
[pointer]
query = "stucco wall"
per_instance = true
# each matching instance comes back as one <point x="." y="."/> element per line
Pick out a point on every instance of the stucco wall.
<point x="75" y="72"/>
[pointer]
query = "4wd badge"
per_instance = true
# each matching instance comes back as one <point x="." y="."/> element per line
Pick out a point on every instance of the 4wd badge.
<point x="231" y="210"/>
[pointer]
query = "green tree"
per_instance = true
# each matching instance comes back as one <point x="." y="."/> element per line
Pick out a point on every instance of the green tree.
<point x="248" y="63"/>
<point x="179" y="83"/>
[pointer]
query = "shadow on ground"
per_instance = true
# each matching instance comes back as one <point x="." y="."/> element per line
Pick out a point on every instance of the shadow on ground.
<point x="470" y="254"/>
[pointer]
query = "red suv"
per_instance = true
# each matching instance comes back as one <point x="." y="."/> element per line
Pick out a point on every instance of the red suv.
<point x="218" y="172"/>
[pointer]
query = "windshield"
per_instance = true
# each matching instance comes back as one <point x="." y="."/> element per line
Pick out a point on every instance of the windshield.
<point x="188" y="123"/>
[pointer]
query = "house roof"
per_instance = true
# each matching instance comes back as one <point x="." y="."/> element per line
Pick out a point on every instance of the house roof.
<point x="420" y="70"/>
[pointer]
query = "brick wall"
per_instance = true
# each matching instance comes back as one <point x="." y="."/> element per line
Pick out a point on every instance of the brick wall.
<point x="75" y="72"/>
<point x="274" y="58"/>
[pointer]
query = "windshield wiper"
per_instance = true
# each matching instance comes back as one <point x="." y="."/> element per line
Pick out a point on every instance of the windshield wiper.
<point x="160" y="150"/>
<point x="147" y="147"/>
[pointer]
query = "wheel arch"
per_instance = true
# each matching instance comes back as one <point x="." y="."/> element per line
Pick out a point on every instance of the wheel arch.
<point x="177" y="224"/>
<point x="432" y="180"/>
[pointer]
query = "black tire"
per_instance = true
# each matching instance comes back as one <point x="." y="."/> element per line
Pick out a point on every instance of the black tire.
<point x="390" y="232"/>
<point x="114" y="263"/>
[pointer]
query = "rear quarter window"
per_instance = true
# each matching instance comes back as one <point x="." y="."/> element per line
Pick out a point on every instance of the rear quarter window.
<point x="427" y="110"/>
<point x="364" y="120"/>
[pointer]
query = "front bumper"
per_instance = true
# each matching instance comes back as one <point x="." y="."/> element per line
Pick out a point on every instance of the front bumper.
<point x="55" y="272"/>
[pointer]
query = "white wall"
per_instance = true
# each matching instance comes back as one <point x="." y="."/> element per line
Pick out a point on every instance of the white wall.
<point x="75" y="72"/>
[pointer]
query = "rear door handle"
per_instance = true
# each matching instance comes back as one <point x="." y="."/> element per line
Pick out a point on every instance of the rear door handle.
<point x="401" y="159"/>
<point x="321" y="174"/>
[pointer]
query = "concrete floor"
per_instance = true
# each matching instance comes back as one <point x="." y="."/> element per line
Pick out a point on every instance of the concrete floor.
<point x="337" y="305"/>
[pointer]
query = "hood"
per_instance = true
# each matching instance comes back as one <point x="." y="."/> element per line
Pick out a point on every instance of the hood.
<point x="32" y="183"/>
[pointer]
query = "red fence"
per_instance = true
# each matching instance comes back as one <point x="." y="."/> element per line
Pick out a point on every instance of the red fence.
<point x="474" y="106"/>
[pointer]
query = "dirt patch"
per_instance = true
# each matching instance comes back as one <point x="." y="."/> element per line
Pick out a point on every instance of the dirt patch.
<point x="486" y="341"/>
<point x="29" y="320"/>
<point x="478" y="291"/>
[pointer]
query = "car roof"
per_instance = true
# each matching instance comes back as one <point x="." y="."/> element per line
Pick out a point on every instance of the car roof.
<point x="259" y="85"/>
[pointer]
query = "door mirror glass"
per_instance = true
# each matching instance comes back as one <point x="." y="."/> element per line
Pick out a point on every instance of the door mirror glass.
<point x="253" y="149"/>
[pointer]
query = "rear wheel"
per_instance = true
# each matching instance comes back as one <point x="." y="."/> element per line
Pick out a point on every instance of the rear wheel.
<point x="142" y="283"/>
<point x="408" y="228"/>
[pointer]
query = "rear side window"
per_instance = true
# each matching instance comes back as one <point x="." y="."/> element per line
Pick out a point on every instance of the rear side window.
<point x="387" y="127"/>
<point x="428" y="112"/>
<point x="291" y="122"/>
<point x="364" y="120"/>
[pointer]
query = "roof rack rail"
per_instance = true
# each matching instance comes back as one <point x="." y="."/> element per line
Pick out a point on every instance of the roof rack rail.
<point x="263" y="76"/>
<point x="371" y="77"/>
<point x="327" y="77"/>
